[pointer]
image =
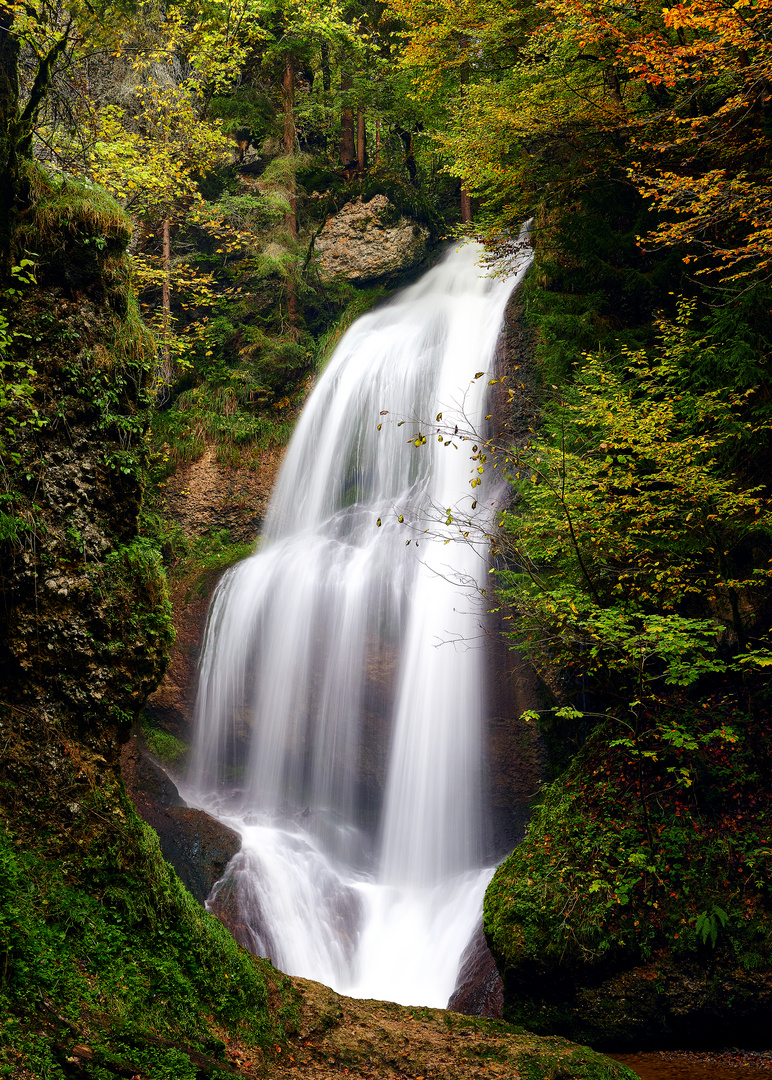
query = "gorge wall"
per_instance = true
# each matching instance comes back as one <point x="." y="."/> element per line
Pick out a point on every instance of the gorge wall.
<point x="85" y="622"/>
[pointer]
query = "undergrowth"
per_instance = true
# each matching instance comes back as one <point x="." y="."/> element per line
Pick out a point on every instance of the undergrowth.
<point x="222" y="416"/>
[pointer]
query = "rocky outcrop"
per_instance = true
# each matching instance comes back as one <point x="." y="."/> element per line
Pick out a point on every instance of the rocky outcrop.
<point x="370" y="241"/>
<point x="197" y="846"/>
<point x="173" y="702"/>
<point x="85" y="620"/>
<point x="205" y="496"/>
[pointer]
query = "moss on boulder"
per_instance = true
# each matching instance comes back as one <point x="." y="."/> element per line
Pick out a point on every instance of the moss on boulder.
<point x="638" y="912"/>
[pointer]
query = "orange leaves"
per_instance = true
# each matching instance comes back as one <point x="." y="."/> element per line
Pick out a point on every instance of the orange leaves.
<point x="676" y="97"/>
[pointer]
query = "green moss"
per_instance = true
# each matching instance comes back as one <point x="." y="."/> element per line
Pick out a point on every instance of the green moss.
<point x="216" y="551"/>
<point x="168" y="749"/>
<point x="133" y="583"/>
<point x="107" y="947"/>
<point x="224" y="416"/>
<point x="623" y="867"/>
<point x="66" y="211"/>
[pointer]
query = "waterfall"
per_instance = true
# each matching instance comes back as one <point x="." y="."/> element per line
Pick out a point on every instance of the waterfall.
<point x="341" y="699"/>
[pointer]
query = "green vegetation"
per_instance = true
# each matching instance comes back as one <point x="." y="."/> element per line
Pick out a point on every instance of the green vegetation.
<point x="625" y="866"/>
<point x="588" y="885"/>
<point x="633" y="563"/>
<point x="630" y="545"/>
<point x="164" y="746"/>
<point x="104" y="947"/>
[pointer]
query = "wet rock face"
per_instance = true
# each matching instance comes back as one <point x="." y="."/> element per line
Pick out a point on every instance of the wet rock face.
<point x="239" y="901"/>
<point x="369" y="241"/>
<point x="85" y="618"/>
<point x="479" y="990"/>
<point x="198" y="847"/>
<point x="660" y="1003"/>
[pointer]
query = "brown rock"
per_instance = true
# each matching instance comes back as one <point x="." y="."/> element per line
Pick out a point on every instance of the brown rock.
<point x="205" y="496"/>
<point x="366" y="241"/>
<point x="479" y="990"/>
<point x="146" y="782"/>
<point x="198" y="847"/>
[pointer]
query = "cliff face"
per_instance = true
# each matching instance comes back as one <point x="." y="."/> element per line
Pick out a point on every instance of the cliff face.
<point x="84" y="622"/>
<point x="104" y="956"/>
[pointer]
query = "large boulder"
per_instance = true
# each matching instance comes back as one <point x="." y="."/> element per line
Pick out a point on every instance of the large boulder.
<point x="636" y="913"/>
<point x="370" y="241"/>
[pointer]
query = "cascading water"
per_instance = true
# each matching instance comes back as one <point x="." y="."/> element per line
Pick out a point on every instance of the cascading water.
<point x="341" y="696"/>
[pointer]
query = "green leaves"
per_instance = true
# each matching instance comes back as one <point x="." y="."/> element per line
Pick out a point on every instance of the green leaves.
<point x="16" y="371"/>
<point x="624" y="510"/>
<point x="708" y="924"/>
<point x="633" y="556"/>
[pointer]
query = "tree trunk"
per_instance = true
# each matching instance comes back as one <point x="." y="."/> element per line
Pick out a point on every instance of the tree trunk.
<point x="361" y="143"/>
<point x="166" y="300"/>
<point x="9" y="112"/>
<point x="288" y="101"/>
<point x="614" y="85"/>
<point x="326" y="78"/>
<point x="466" y="206"/>
<point x="290" y="218"/>
<point x="347" y="150"/>
<point x="17" y="125"/>
<point x="410" y="165"/>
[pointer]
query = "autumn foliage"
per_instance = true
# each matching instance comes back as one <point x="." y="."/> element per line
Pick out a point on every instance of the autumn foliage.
<point x="674" y="101"/>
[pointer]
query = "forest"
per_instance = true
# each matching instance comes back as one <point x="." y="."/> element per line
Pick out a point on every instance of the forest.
<point x="169" y="173"/>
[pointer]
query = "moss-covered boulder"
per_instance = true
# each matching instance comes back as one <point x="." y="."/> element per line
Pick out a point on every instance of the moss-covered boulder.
<point x="638" y="910"/>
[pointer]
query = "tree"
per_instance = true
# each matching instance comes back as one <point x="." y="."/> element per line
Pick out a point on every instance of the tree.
<point x="44" y="32"/>
<point x="548" y="98"/>
<point x="628" y="532"/>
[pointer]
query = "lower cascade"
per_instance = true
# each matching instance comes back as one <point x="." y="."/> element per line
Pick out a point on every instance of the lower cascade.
<point x="341" y="700"/>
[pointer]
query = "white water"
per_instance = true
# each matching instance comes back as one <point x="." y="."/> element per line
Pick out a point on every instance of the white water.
<point x="341" y="697"/>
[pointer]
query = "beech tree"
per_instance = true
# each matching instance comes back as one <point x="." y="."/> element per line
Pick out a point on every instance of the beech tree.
<point x="42" y="31"/>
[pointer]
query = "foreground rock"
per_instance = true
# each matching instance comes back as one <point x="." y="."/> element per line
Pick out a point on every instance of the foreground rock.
<point x="335" y="1036"/>
<point x="370" y="241"/>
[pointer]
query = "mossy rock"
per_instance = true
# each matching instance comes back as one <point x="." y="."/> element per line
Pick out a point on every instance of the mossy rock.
<point x="624" y="929"/>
